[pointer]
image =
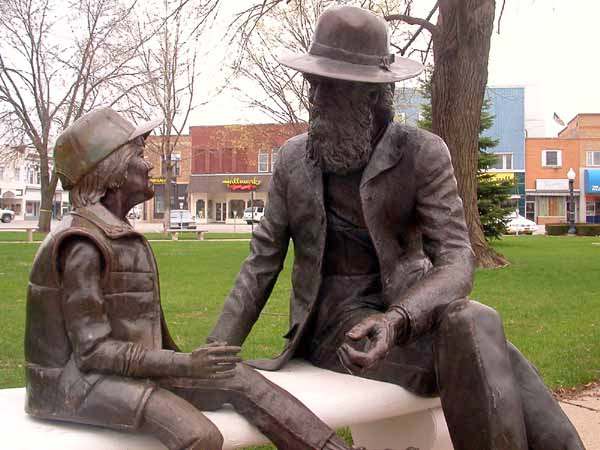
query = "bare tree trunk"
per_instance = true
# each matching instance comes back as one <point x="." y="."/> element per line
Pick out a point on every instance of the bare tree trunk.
<point x="461" y="49"/>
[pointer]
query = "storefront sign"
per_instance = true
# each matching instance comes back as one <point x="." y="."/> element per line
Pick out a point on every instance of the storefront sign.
<point x="158" y="180"/>
<point x="559" y="184"/>
<point x="503" y="176"/>
<point x="239" y="184"/>
<point x="592" y="181"/>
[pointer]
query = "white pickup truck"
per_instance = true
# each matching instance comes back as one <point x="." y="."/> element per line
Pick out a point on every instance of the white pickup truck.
<point x="6" y="215"/>
<point x="254" y="214"/>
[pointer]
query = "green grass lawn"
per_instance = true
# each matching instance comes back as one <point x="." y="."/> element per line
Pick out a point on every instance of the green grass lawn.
<point x="21" y="236"/>
<point x="549" y="299"/>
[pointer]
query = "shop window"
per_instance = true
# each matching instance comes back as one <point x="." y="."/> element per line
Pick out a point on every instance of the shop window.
<point x="263" y="162"/>
<point x="32" y="209"/>
<point x="236" y="208"/>
<point x="257" y="202"/>
<point x="159" y="201"/>
<point x="552" y="158"/>
<point x="504" y="161"/>
<point x="590" y="208"/>
<point x="593" y="158"/>
<point x="200" y="213"/>
<point x="551" y="206"/>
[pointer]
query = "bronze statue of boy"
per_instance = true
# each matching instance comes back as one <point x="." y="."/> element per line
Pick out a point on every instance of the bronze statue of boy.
<point x="97" y="347"/>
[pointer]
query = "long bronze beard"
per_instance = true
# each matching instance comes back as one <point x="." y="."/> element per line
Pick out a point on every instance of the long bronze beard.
<point x="339" y="136"/>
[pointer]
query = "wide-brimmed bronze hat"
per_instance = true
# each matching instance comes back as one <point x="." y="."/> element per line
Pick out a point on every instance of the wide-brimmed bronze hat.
<point x="352" y="44"/>
<point x="90" y="139"/>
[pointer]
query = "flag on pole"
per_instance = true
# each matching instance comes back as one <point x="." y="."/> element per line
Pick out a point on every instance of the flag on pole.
<point x="558" y="120"/>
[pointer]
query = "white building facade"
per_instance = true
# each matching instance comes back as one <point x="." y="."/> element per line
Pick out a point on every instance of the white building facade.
<point x="20" y="188"/>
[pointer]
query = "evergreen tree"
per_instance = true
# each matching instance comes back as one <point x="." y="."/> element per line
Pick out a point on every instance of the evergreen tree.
<point x="492" y="194"/>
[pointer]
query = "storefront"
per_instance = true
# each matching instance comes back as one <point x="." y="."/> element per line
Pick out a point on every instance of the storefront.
<point x="179" y="199"/>
<point x="548" y="203"/>
<point x="223" y="198"/>
<point x="592" y="195"/>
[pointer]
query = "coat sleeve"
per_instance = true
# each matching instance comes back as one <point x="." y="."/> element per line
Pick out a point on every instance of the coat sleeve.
<point x="440" y="218"/>
<point x="259" y="272"/>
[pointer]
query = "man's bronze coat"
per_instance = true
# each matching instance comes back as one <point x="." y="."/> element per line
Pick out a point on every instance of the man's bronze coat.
<point x="414" y="217"/>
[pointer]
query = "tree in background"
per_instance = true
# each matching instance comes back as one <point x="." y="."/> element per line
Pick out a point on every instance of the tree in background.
<point x="492" y="193"/>
<point x="58" y="60"/>
<point x="268" y="29"/>
<point x="460" y="40"/>
<point x="169" y="65"/>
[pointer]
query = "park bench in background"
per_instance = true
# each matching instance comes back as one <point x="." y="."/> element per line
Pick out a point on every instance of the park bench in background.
<point x="28" y="230"/>
<point x="174" y="233"/>
<point x="380" y="415"/>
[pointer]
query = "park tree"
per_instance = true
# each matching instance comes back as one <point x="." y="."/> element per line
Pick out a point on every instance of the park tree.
<point x="268" y="29"/>
<point x="460" y="40"/>
<point x="58" y="60"/>
<point x="492" y="193"/>
<point x="169" y="66"/>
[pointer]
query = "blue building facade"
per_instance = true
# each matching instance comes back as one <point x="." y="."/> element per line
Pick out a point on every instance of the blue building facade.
<point x="507" y="105"/>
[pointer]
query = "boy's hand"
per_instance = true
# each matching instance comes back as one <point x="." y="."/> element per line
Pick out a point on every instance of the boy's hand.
<point x="216" y="360"/>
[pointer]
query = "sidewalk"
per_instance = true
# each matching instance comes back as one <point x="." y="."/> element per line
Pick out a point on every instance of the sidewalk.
<point x="583" y="409"/>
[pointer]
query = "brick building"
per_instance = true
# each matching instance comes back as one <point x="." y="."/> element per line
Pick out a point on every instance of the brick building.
<point x="549" y="159"/>
<point x="232" y="167"/>
<point x="181" y="157"/>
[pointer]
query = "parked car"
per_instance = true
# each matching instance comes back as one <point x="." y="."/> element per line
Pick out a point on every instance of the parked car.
<point x="254" y="214"/>
<point x="520" y="225"/>
<point x="7" y="215"/>
<point x="182" y="218"/>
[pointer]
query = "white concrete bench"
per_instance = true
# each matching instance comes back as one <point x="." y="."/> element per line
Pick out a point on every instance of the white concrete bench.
<point x="380" y="415"/>
<point x="174" y="233"/>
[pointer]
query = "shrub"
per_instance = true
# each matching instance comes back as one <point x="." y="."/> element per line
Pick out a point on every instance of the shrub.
<point x="581" y="229"/>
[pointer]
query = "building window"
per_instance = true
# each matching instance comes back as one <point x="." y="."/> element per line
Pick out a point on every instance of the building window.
<point x="552" y="158"/>
<point x="592" y="158"/>
<point x="175" y="163"/>
<point x="551" y="206"/>
<point x="33" y="174"/>
<point x="504" y="161"/>
<point x="1" y="172"/>
<point x="274" y="155"/>
<point x="17" y="174"/>
<point x="263" y="162"/>
<point x="236" y="209"/>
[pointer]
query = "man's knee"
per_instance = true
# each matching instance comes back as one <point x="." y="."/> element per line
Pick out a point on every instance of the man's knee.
<point x="469" y="317"/>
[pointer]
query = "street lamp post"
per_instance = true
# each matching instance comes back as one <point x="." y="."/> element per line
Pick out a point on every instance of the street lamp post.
<point x="571" y="177"/>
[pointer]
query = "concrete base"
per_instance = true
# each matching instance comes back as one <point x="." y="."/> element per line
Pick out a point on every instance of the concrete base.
<point x="380" y="415"/>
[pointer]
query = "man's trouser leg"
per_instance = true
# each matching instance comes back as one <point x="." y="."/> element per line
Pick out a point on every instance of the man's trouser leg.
<point x="548" y="427"/>
<point x="480" y="397"/>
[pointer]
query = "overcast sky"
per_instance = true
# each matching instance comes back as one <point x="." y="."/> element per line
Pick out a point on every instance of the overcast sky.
<point x="548" y="46"/>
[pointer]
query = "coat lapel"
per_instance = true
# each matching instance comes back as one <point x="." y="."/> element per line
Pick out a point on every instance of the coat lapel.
<point x="388" y="152"/>
<point x="315" y="179"/>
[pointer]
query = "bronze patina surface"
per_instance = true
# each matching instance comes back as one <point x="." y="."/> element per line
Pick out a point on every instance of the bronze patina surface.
<point x="97" y="346"/>
<point x="382" y="260"/>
